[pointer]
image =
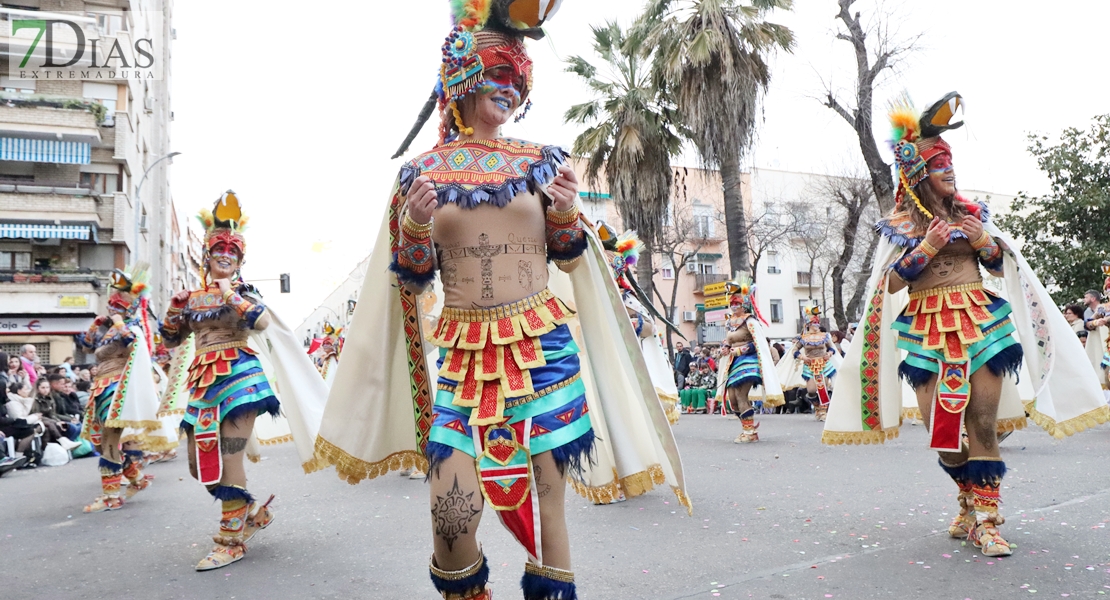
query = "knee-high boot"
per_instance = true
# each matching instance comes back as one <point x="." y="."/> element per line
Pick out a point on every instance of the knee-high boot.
<point x="985" y="475"/>
<point x="964" y="523"/>
<point x="747" y="420"/>
<point x="111" y="473"/>
<point x="230" y="545"/>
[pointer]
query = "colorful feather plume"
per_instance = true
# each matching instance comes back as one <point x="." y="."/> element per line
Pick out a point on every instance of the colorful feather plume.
<point x="206" y="219"/>
<point x="471" y="15"/>
<point x="905" y="122"/>
<point x="629" y="245"/>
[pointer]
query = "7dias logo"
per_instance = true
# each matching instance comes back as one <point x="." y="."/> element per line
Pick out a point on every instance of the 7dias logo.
<point x="84" y="46"/>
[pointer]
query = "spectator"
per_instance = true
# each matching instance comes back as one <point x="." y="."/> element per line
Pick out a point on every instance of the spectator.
<point x="4" y="379"/>
<point x="67" y="368"/>
<point x="46" y="404"/>
<point x="1073" y="313"/>
<point x="85" y="375"/>
<point x="837" y="338"/>
<point x="82" y="388"/>
<point x="682" y="360"/>
<point x="1082" y="337"/>
<point x="65" y="400"/>
<point x="20" y="403"/>
<point x="28" y="355"/>
<point x="93" y="370"/>
<point x="707" y="356"/>
<point x="18" y="428"/>
<point x="779" y="348"/>
<point x="1091" y="300"/>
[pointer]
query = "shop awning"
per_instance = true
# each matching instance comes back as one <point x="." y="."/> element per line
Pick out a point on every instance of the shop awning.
<point x="45" y="151"/>
<point x="47" y="231"/>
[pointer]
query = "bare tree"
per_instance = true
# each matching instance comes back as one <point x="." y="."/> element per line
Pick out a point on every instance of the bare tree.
<point x="678" y="243"/>
<point x="885" y="54"/>
<point x="815" y="223"/>
<point x="771" y="229"/>
<point x="851" y="194"/>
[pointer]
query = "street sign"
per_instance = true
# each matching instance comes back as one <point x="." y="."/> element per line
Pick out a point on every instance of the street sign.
<point x="81" y="301"/>
<point x="716" y="302"/>
<point x="713" y="289"/>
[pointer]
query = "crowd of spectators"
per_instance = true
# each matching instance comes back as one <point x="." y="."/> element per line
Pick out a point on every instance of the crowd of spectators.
<point x="40" y="405"/>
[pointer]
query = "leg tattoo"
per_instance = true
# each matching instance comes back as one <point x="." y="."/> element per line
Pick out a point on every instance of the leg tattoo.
<point x="453" y="513"/>
<point x="542" y="489"/>
<point x="232" y="445"/>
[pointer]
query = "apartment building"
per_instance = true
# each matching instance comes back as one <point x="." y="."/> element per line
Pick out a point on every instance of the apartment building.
<point x="84" y="179"/>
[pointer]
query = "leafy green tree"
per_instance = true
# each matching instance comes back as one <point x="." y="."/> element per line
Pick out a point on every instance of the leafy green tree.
<point x="1065" y="234"/>
<point x="711" y="56"/>
<point x="630" y="138"/>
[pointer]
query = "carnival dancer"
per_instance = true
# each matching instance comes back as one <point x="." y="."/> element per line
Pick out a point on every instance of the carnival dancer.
<point x="815" y="349"/>
<point x="1098" y="342"/>
<point x="509" y="419"/>
<point x="327" y="355"/>
<point x="123" y="394"/>
<point x="229" y="388"/>
<point x="751" y="361"/>
<point x="961" y="355"/>
<point x="624" y="252"/>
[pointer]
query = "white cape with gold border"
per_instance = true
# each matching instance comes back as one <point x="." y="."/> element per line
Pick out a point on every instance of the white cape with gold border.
<point x="1063" y="395"/>
<point x="139" y="415"/>
<point x="298" y="387"/>
<point x="369" y="422"/>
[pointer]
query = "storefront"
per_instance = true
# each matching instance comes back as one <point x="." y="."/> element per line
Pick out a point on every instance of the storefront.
<point x="52" y="335"/>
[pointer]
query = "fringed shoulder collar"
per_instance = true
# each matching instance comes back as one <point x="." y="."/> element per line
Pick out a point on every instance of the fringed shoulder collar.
<point x="898" y="227"/>
<point x="472" y="172"/>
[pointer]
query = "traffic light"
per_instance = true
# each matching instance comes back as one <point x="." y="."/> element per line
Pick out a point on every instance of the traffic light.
<point x="285" y="283"/>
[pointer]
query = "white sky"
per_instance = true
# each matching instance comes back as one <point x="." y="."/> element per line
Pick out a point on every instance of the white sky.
<point x="298" y="107"/>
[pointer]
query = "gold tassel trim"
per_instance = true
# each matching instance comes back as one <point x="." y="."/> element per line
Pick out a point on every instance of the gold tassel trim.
<point x="684" y="500"/>
<point x="1008" y="425"/>
<point x="836" y="438"/>
<point x="150" y="443"/>
<point x="354" y="470"/>
<point x="773" y="401"/>
<point x="281" y="439"/>
<point x="602" y="494"/>
<point x="121" y="424"/>
<point x="1072" y="426"/>
<point x="638" y="484"/>
<point x="914" y="414"/>
<point x="177" y="412"/>
<point x="315" y="464"/>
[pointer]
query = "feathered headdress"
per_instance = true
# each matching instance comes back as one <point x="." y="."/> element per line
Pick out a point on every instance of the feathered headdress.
<point x="486" y="34"/>
<point x="915" y="139"/>
<point x="135" y="280"/>
<point x="813" y="314"/>
<point x="741" y="293"/>
<point x="224" y="224"/>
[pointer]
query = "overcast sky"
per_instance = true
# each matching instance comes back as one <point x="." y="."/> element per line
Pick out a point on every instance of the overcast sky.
<point x="298" y="107"/>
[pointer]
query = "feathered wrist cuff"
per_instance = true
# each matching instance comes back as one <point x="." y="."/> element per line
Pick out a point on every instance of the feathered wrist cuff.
<point x="565" y="239"/>
<point x="413" y="260"/>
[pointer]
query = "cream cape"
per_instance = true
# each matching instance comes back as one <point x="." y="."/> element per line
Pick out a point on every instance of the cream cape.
<point x="370" y="422"/>
<point x="635" y="448"/>
<point x="1064" y="396"/>
<point x="662" y="377"/>
<point x="139" y="415"/>
<point x="299" y="388"/>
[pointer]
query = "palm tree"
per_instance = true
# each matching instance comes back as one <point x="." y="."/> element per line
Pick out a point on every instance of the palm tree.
<point x="711" y="56"/>
<point x="630" y="137"/>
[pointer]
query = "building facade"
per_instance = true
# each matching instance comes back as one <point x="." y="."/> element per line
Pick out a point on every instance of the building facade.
<point x="73" y="155"/>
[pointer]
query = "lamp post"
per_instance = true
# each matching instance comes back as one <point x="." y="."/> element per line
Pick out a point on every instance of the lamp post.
<point x="139" y="197"/>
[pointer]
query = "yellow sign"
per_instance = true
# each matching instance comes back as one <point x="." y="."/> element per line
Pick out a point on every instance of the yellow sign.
<point x="716" y="302"/>
<point x="713" y="289"/>
<point x="73" y="301"/>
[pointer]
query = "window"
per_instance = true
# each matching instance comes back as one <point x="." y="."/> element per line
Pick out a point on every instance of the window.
<point x="804" y="278"/>
<point x="109" y="24"/>
<point x="703" y="221"/>
<point x="14" y="261"/>
<point x="41" y="349"/>
<point x="667" y="268"/>
<point x="776" y="311"/>
<point x="102" y="183"/>
<point x="17" y="86"/>
<point x="773" y="262"/>
<point x="104" y="93"/>
<point x="707" y="268"/>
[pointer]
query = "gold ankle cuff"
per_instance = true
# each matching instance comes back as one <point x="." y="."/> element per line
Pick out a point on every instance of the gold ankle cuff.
<point x="549" y="572"/>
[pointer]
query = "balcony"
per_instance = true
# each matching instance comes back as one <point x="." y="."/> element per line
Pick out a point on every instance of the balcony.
<point x="703" y="279"/>
<point x="58" y="291"/>
<point x="47" y="117"/>
<point x="22" y="202"/>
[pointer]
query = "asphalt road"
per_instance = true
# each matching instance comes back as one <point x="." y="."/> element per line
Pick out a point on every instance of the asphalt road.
<point x="784" y="518"/>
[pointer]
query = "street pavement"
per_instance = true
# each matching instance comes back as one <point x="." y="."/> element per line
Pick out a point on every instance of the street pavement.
<point x="784" y="518"/>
